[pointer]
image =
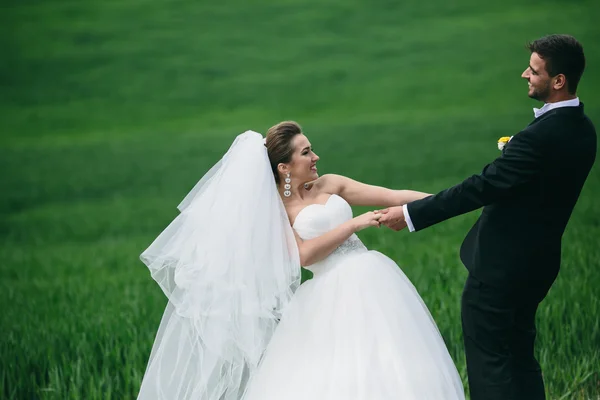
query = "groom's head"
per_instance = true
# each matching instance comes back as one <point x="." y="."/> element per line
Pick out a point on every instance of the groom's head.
<point x="555" y="67"/>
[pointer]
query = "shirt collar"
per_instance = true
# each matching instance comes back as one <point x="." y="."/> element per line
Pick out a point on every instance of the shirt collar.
<point x="551" y="106"/>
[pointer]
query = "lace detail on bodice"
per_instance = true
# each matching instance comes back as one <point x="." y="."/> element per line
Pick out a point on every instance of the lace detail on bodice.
<point x="352" y="244"/>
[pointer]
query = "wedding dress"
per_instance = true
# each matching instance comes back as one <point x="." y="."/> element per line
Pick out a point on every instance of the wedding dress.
<point x="239" y="326"/>
<point x="357" y="331"/>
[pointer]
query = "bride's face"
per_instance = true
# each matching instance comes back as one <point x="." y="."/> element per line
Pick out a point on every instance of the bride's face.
<point x="302" y="167"/>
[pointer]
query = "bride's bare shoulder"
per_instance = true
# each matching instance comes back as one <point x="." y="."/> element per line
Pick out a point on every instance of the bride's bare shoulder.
<point x="328" y="183"/>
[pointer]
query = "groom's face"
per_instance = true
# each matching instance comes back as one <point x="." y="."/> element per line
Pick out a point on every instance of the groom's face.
<point x="537" y="77"/>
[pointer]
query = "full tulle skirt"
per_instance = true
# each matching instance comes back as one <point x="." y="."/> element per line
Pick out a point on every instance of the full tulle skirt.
<point x="357" y="331"/>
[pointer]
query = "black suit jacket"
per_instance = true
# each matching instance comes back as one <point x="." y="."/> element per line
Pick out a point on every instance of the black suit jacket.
<point x="528" y="195"/>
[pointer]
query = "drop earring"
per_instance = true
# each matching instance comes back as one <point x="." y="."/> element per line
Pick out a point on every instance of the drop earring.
<point x="287" y="186"/>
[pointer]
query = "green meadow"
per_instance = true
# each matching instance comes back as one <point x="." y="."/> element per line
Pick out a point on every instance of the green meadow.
<point x="111" y="111"/>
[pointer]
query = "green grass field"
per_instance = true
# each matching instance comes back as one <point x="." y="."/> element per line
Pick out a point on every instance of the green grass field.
<point x="111" y="111"/>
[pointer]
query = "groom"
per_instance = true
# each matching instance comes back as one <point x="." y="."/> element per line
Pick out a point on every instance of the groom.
<point x="512" y="252"/>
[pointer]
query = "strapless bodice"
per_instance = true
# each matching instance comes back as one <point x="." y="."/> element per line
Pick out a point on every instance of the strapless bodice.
<point x="317" y="219"/>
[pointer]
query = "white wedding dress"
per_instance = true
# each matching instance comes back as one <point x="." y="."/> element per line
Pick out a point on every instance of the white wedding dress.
<point x="357" y="331"/>
<point x="238" y="324"/>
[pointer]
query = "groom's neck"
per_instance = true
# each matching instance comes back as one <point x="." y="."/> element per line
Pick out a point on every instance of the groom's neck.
<point x="560" y="96"/>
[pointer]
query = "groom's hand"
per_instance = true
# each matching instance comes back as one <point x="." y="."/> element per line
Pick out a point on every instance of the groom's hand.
<point x="393" y="218"/>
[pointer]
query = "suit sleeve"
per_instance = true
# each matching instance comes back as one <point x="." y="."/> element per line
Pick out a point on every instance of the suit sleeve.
<point x="519" y="164"/>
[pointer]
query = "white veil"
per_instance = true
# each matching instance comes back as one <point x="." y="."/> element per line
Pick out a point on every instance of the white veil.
<point x="228" y="264"/>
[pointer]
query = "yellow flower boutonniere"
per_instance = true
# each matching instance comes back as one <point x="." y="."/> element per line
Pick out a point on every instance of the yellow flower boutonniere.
<point x="502" y="141"/>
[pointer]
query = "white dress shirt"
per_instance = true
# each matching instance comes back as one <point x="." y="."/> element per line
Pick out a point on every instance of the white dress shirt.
<point x="538" y="112"/>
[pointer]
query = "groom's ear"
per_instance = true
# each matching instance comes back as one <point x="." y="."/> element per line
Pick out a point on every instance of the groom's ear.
<point x="560" y="81"/>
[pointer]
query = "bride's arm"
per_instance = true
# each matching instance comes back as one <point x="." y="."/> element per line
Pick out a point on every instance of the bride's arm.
<point x="315" y="250"/>
<point x="360" y="194"/>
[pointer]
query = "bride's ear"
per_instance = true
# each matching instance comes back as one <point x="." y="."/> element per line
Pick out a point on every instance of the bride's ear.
<point x="282" y="168"/>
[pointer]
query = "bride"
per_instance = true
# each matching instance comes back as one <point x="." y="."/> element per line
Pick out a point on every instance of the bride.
<point x="238" y="325"/>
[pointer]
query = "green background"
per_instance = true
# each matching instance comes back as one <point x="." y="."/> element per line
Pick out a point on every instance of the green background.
<point x="111" y="111"/>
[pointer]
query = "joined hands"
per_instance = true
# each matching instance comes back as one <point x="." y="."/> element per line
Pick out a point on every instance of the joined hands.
<point x="392" y="217"/>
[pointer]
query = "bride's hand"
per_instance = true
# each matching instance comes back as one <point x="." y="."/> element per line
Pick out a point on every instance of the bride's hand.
<point x="366" y="220"/>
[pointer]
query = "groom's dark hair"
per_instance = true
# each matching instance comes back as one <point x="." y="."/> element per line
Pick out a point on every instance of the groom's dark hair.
<point x="563" y="54"/>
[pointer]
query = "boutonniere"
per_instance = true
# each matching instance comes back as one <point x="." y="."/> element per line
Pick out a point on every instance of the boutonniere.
<point x="503" y="141"/>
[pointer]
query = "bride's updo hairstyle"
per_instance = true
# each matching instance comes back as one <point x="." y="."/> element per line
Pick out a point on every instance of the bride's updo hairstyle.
<point x="279" y="144"/>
